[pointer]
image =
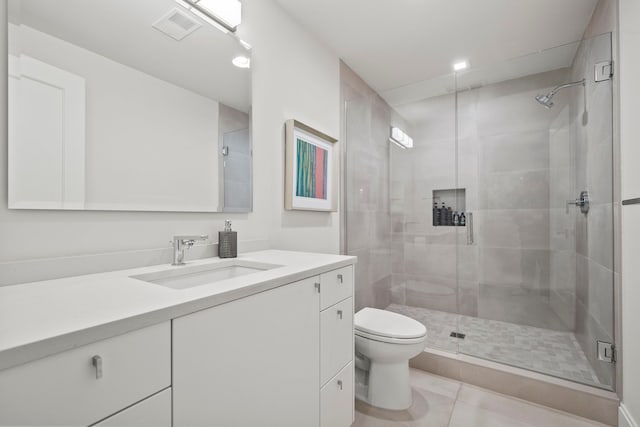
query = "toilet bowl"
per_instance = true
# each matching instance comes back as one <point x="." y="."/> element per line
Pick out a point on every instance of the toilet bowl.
<point x="385" y="341"/>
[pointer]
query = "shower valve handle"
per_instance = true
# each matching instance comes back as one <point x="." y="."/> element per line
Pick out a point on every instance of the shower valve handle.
<point x="582" y="202"/>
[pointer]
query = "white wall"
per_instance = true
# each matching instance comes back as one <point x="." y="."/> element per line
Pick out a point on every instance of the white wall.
<point x="293" y="77"/>
<point x="629" y="70"/>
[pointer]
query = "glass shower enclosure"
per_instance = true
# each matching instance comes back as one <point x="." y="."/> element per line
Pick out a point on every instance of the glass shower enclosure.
<point x="496" y="229"/>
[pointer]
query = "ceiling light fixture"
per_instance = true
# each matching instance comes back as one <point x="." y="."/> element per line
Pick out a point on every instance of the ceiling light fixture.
<point x="241" y="62"/>
<point x="400" y="138"/>
<point x="225" y="15"/>
<point x="459" y="66"/>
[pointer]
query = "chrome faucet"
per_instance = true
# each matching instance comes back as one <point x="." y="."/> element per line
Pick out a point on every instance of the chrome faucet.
<point x="180" y="243"/>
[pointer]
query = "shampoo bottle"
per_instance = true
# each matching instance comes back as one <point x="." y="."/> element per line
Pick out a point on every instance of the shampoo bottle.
<point x="443" y="215"/>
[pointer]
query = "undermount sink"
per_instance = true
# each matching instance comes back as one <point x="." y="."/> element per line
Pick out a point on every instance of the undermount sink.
<point x="198" y="275"/>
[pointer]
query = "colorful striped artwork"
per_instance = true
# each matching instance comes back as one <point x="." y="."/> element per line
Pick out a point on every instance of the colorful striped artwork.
<point x="312" y="170"/>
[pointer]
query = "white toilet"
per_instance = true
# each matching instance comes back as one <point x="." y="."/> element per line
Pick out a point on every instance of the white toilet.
<point x="385" y="341"/>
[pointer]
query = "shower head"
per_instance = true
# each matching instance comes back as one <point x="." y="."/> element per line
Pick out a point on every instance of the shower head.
<point x="545" y="100"/>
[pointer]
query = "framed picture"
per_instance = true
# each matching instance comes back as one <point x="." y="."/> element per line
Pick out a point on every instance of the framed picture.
<point x="310" y="184"/>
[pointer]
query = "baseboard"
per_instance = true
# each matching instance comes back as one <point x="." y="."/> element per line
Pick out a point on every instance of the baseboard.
<point x="584" y="401"/>
<point x="624" y="417"/>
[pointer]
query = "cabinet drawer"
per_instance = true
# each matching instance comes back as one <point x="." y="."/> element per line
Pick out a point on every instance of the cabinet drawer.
<point x="336" y="400"/>
<point x="336" y="338"/>
<point x="64" y="389"/>
<point x="154" y="411"/>
<point x="336" y="285"/>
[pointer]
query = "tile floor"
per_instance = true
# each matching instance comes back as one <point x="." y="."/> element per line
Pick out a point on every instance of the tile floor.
<point x="441" y="402"/>
<point x="542" y="350"/>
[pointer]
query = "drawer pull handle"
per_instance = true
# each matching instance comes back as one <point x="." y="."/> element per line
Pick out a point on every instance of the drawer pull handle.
<point x="340" y="314"/>
<point x="340" y="278"/>
<point x="340" y="384"/>
<point x="317" y="285"/>
<point x="96" y="361"/>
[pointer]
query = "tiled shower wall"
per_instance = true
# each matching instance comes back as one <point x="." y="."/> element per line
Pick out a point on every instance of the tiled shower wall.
<point x="562" y="226"/>
<point x="504" y="166"/>
<point x="367" y="227"/>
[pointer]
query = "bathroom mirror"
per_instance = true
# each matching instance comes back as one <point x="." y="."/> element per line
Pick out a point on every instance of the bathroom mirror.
<point x="130" y="105"/>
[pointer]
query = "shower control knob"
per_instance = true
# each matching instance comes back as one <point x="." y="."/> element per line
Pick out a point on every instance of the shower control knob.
<point x="582" y="202"/>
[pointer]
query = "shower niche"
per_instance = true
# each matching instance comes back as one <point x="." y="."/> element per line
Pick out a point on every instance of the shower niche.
<point x="449" y="208"/>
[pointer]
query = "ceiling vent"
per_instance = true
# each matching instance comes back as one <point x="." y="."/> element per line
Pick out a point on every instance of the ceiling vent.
<point x="177" y="24"/>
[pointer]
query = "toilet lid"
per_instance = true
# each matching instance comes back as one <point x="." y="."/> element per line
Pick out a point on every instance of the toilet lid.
<point x="387" y="324"/>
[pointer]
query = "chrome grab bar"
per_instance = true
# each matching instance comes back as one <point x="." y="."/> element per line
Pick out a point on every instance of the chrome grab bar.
<point x="469" y="228"/>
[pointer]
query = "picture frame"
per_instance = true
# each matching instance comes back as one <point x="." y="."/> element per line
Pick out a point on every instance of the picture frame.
<point x="310" y="169"/>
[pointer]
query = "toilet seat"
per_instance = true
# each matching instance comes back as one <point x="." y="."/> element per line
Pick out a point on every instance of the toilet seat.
<point x="386" y="326"/>
<point x="389" y="339"/>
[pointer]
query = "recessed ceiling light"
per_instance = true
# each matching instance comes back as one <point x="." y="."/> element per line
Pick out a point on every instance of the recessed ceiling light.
<point x="241" y="62"/>
<point x="462" y="65"/>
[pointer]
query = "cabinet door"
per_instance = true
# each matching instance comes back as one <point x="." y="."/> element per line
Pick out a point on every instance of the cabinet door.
<point x="152" y="412"/>
<point x="336" y="342"/>
<point x="250" y="362"/>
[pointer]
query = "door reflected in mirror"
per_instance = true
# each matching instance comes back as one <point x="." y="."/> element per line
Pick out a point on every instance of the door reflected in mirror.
<point x="126" y="105"/>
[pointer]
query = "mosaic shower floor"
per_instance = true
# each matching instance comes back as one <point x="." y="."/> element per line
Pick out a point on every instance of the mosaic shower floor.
<point x="543" y="350"/>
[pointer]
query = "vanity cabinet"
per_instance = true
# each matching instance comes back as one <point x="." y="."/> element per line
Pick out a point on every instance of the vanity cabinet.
<point x="82" y="386"/>
<point x="250" y="362"/>
<point x="271" y="359"/>
<point x="280" y="357"/>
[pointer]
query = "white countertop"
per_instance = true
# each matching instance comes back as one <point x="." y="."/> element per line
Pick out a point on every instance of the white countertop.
<point x="42" y="318"/>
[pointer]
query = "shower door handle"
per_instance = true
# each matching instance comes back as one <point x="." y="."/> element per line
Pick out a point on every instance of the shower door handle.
<point x="469" y="228"/>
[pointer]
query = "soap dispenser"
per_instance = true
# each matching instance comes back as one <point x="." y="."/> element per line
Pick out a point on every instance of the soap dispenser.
<point x="227" y="242"/>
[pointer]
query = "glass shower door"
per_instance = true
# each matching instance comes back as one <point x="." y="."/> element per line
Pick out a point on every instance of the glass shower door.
<point x="425" y="215"/>
<point x="536" y="277"/>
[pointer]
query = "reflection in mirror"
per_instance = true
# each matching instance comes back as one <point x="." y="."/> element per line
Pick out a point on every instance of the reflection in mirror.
<point x="125" y="105"/>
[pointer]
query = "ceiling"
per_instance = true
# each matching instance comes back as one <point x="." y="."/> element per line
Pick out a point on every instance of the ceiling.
<point x="404" y="49"/>
<point x="121" y="31"/>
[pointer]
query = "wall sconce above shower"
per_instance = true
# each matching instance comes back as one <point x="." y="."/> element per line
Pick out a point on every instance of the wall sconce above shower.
<point x="461" y="65"/>
<point x="400" y="138"/>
